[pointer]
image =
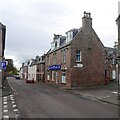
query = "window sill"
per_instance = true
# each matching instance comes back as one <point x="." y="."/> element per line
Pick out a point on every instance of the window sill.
<point x="63" y="63"/>
<point x="78" y="61"/>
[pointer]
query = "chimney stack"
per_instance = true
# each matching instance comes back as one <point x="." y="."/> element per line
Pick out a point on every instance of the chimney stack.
<point x="87" y="20"/>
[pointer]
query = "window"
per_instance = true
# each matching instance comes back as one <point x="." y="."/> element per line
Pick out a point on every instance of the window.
<point x="48" y="60"/>
<point x="113" y="61"/>
<point x="37" y="69"/>
<point x="63" y="56"/>
<point x="55" y="44"/>
<point x="41" y="68"/>
<point x="70" y="35"/>
<point x="78" y="56"/>
<point x="54" y="58"/>
<point x="48" y="75"/>
<point x="53" y="72"/>
<point x="63" y="77"/>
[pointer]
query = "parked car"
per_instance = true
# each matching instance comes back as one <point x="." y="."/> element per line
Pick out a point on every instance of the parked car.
<point x="29" y="81"/>
<point x="16" y="76"/>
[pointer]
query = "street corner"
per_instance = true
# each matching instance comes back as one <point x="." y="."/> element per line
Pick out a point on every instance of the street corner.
<point x="9" y="107"/>
<point x="98" y="95"/>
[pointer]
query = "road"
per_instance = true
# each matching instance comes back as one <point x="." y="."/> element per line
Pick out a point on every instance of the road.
<point x="39" y="100"/>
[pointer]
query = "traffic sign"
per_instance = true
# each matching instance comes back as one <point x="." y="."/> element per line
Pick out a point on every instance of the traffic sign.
<point x="3" y="65"/>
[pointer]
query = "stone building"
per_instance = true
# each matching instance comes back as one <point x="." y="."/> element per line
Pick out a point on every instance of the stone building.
<point x="111" y="64"/>
<point x="76" y="59"/>
<point x="2" y="47"/>
<point x="36" y="69"/>
<point x="118" y="23"/>
<point x="24" y="70"/>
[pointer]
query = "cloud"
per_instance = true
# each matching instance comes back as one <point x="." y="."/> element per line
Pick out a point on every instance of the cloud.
<point x="32" y="23"/>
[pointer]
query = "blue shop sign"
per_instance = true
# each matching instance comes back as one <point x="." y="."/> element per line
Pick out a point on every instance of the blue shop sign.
<point x="55" y="67"/>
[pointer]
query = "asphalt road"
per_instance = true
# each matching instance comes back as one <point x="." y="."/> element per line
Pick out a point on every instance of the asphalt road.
<point x="38" y="100"/>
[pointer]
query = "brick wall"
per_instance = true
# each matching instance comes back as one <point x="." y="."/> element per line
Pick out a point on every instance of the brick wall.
<point x="93" y="58"/>
<point x="64" y="66"/>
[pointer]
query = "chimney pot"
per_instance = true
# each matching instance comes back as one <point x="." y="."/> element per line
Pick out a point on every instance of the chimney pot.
<point x="87" y="20"/>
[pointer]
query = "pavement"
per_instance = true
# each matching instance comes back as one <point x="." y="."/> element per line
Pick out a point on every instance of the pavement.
<point x="8" y="106"/>
<point x="6" y="90"/>
<point x="106" y="93"/>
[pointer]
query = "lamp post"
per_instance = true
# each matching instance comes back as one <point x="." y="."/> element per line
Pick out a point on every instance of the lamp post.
<point x="118" y="82"/>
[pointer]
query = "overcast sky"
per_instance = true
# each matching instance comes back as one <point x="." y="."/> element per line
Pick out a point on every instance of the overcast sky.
<point x="30" y="24"/>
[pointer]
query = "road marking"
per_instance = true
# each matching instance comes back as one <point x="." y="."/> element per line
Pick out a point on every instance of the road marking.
<point x="5" y="97"/>
<point x="13" y="102"/>
<point x="17" y="115"/>
<point x="6" y="116"/>
<point x="16" y="110"/>
<point x="5" y="106"/>
<point x="5" y="100"/>
<point x="4" y="103"/>
<point x="12" y="99"/>
<point x="11" y="95"/>
<point x="115" y="92"/>
<point x="5" y="110"/>
<point x="14" y="106"/>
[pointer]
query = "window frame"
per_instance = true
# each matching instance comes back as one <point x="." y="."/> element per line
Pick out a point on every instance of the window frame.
<point x="63" y="55"/>
<point x="78" y="56"/>
<point x="63" y="80"/>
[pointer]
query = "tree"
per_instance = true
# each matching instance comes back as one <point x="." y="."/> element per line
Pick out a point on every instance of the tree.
<point x="10" y="69"/>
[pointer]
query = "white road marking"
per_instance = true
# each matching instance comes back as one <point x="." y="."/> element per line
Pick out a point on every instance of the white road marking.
<point x="4" y="97"/>
<point x="4" y="103"/>
<point x="13" y="102"/>
<point x="115" y="92"/>
<point x="4" y="100"/>
<point x="14" y="106"/>
<point x="16" y="110"/>
<point x="11" y="95"/>
<point x="12" y="99"/>
<point x="17" y="115"/>
<point x="6" y="116"/>
<point x="5" y="106"/>
<point x="5" y="110"/>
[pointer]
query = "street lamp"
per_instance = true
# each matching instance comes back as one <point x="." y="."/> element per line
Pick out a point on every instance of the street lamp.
<point x="118" y="84"/>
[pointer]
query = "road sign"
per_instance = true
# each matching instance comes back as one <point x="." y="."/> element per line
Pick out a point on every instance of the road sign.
<point x="3" y="65"/>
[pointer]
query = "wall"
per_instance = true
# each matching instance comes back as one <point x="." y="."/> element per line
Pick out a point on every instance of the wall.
<point x="64" y="66"/>
<point x="0" y="54"/>
<point x="93" y="58"/>
<point x="32" y="72"/>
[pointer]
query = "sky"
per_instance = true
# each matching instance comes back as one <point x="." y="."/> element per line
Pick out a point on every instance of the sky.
<point x="31" y="24"/>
